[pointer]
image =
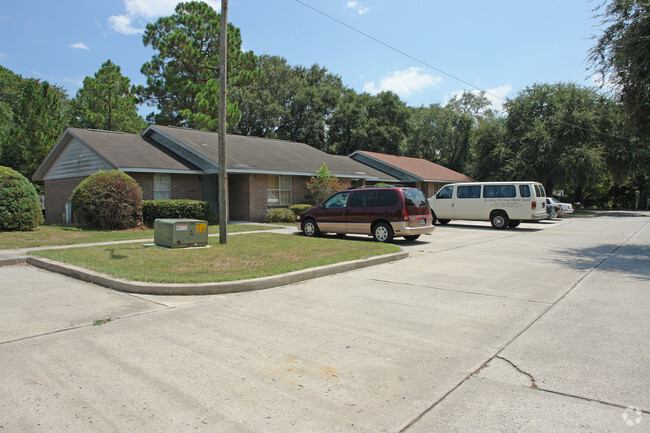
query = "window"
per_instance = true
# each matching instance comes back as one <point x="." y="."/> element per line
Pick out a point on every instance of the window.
<point x="446" y="192"/>
<point x="524" y="190"/>
<point x="339" y="200"/>
<point x="414" y="197"/>
<point x="279" y="190"/>
<point x="468" y="191"/>
<point x="374" y="198"/>
<point x="539" y="190"/>
<point x="162" y="186"/>
<point x="499" y="191"/>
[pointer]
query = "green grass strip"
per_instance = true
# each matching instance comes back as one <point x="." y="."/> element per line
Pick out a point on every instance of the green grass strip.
<point x="46" y="236"/>
<point x="243" y="257"/>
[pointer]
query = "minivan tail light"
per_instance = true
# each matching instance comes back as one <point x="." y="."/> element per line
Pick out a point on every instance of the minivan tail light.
<point x="406" y="215"/>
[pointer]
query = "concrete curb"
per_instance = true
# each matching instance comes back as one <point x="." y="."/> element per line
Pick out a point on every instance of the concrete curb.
<point x="18" y="260"/>
<point x="208" y="288"/>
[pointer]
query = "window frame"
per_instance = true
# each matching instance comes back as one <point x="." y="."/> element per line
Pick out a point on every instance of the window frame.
<point x="162" y="193"/>
<point x="283" y="191"/>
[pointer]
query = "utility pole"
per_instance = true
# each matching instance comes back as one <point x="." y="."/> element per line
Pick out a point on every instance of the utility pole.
<point x="223" y="176"/>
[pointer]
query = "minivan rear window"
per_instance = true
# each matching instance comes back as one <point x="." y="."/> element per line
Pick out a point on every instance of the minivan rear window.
<point x="499" y="191"/>
<point x="414" y="197"/>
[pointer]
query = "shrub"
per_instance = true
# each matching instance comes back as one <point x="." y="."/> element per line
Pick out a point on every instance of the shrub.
<point x="323" y="185"/>
<point x="108" y="200"/>
<point x="279" y="215"/>
<point x="195" y="209"/>
<point x="20" y="209"/>
<point x="298" y="208"/>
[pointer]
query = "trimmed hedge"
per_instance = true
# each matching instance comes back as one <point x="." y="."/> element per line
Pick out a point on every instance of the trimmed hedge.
<point x="279" y="215"/>
<point x="194" y="209"/>
<point x="297" y="209"/>
<point x="20" y="209"/>
<point x="108" y="200"/>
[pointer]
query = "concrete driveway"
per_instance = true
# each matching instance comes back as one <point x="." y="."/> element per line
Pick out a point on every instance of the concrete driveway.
<point x="542" y="328"/>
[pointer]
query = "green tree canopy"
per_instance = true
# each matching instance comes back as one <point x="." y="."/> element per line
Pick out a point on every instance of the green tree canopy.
<point x="186" y="65"/>
<point x="558" y="134"/>
<point x="106" y="102"/>
<point x="622" y="56"/>
<point x="38" y="121"/>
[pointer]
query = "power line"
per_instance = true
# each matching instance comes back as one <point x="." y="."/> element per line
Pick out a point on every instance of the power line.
<point x="397" y="50"/>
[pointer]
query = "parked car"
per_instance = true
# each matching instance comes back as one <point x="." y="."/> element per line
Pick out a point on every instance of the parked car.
<point x="504" y="204"/>
<point x="380" y="212"/>
<point x="563" y="208"/>
<point x="552" y="211"/>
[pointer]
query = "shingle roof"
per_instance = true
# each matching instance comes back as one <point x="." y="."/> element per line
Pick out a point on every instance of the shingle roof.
<point x="126" y="152"/>
<point x="266" y="155"/>
<point x="417" y="167"/>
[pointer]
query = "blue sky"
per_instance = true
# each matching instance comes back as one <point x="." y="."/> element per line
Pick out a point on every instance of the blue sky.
<point x="500" y="46"/>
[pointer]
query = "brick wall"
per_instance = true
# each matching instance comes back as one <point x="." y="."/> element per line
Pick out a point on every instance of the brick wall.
<point x="57" y="194"/>
<point x="184" y="186"/>
<point x="258" y="197"/>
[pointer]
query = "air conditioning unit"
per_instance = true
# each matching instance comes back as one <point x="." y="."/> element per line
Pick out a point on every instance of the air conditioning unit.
<point x="180" y="233"/>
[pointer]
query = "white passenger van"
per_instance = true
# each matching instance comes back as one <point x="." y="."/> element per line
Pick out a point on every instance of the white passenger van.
<point x="504" y="204"/>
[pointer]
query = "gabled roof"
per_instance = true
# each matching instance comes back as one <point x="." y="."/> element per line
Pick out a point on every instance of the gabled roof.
<point x="82" y="152"/>
<point x="258" y="155"/>
<point x="409" y="169"/>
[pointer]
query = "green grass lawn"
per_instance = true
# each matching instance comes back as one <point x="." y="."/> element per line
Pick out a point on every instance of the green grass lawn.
<point x="243" y="257"/>
<point x="67" y="235"/>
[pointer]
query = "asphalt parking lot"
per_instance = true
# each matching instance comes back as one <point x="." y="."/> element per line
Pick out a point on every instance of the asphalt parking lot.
<point x="541" y="328"/>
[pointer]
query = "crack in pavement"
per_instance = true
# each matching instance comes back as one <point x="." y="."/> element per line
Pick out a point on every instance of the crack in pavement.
<point x="538" y="318"/>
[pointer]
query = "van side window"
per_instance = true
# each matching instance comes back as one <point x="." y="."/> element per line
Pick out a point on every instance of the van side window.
<point x="446" y="192"/>
<point x="339" y="200"/>
<point x="499" y="191"/>
<point x="524" y="190"/>
<point x="386" y="197"/>
<point x="468" y="191"/>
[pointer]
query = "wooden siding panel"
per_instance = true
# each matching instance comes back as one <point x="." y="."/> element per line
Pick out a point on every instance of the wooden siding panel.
<point x="76" y="160"/>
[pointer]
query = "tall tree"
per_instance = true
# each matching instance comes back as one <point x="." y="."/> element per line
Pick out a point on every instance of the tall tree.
<point x="106" y="102"/>
<point x="622" y="56"/>
<point x="186" y="60"/>
<point x="365" y="122"/>
<point x="38" y="122"/>
<point x="558" y="134"/>
<point x="10" y="88"/>
<point x="265" y="102"/>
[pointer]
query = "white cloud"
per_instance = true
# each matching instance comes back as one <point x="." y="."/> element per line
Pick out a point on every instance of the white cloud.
<point x="139" y="12"/>
<point x="355" y="6"/>
<point x="3" y="56"/>
<point x="403" y="83"/>
<point x="79" y="46"/>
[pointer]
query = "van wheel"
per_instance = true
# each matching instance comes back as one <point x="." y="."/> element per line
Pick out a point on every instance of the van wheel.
<point x="434" y="218"/>
<point x="443" y="222"/>
<point x="514" y="223"/>
<point x="499" y="220"/>
<point x="411" y="238"/>
<point x="382" y="232"/>
<point x="310" y="229"/>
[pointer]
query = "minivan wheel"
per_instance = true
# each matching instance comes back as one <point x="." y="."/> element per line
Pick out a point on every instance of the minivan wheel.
<point x="499" y="220"/>
<point x="382" y="232"/>
<point x="309" y="228"/>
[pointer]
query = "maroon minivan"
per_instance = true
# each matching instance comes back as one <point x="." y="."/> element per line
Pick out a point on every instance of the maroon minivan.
<point x="380" y="212"/>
